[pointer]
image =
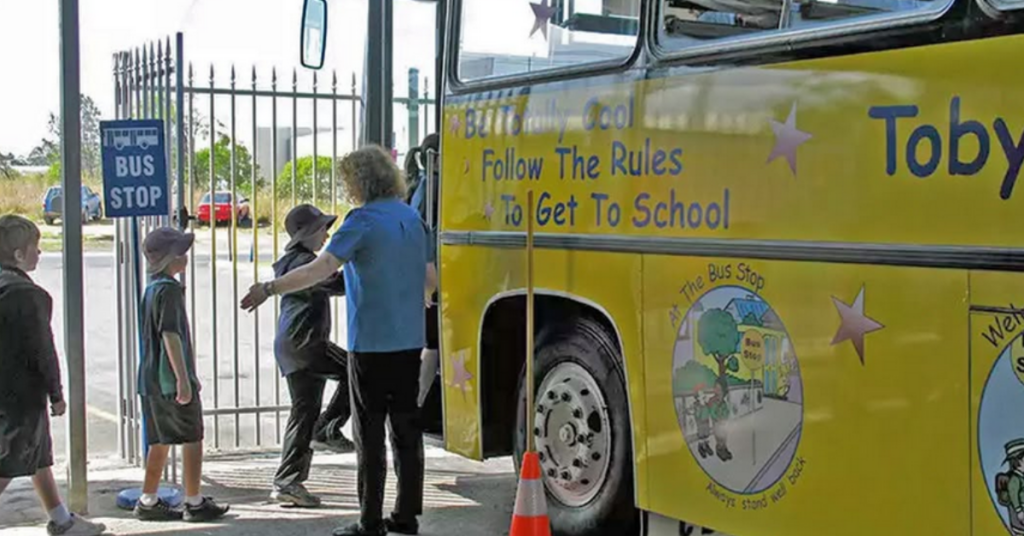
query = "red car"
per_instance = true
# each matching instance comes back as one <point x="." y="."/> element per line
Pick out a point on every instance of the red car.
<point x="225" y="209"/>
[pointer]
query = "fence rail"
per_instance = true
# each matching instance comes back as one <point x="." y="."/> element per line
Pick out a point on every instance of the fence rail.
<point x="203" y="114"/>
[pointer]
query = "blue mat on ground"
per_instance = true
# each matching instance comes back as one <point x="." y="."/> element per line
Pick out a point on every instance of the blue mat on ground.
<point x="126" y="499"/>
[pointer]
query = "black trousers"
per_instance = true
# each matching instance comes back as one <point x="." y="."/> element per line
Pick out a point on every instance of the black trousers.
<point x="385" y="387"/>
<point x="307" y="392"/>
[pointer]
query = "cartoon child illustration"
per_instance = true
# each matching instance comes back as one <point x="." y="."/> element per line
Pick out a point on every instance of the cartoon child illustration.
<point x="718" y="409"/>
<point x="1010" y="486"/>
<point x="702" y="416"/>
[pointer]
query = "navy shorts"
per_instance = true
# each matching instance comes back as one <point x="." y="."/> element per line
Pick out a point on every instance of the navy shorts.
<point x="25" y="443"/>
<point x="169" y="423"/>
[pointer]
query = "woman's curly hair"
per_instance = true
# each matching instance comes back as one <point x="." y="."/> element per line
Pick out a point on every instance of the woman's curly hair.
<point x="369" y="174"/>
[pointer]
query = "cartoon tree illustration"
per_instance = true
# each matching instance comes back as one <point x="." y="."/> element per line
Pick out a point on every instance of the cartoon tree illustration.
<point x="719" y="337"/>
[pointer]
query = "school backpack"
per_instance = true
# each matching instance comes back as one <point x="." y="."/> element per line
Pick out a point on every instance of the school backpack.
<point x="1003" y="488"/>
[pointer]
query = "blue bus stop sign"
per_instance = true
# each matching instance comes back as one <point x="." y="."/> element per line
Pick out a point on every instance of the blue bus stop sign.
<point x="134" y="168"/>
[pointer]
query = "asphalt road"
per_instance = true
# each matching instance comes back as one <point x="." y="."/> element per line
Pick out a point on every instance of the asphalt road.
<point x="245" y="374"/>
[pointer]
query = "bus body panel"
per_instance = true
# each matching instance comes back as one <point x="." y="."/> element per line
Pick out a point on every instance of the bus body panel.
<point x="819" y="434"/>
<point x="887" y="149"/>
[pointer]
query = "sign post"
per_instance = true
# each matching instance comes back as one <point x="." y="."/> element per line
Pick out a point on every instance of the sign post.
<point x="135" y="184"/>
<point x="134" y="168"/>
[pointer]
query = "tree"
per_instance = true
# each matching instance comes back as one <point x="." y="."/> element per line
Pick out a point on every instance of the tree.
<point x="6" y="166"/>
<point x="222" y="167"/>
<point x="719" y="337"/>
<point x="44" y="154"/>
<point x="91" y="156"/>
<point x="304" y="179"/>
<point x="752" y="320"/>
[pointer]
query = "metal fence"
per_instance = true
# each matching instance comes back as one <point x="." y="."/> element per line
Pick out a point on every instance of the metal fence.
<point x="218" y="131"/>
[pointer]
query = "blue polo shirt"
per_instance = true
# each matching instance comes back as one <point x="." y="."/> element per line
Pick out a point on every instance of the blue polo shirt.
<point x="384" y="247"/>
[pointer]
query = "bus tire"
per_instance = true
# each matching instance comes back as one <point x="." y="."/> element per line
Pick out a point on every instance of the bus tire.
<point x="578" y="367"/>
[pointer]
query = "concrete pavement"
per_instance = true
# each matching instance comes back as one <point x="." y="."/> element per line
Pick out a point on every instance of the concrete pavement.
<point x="462" y="497"/>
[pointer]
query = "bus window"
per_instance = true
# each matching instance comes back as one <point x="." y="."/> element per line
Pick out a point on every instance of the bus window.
<point x="808" y="13"/>
<point x="688" y="22"/>
<point x="510" y="37"/>
<point x="692" y="22"/>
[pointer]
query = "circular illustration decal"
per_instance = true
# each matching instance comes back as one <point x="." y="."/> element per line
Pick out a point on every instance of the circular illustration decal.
<point x="1001" y="435"/>
<point x="737" y="389"/>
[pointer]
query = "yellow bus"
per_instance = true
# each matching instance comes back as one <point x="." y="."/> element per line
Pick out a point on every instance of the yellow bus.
<point x="778" y="261"/>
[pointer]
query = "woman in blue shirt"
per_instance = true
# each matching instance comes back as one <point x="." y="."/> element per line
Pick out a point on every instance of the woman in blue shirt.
<point x="382" y="247"/>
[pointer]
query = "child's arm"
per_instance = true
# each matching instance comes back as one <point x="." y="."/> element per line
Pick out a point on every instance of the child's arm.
<point x="37" y="310"/>
<point x="335" y="285"/>
<point x="176" y="355"/>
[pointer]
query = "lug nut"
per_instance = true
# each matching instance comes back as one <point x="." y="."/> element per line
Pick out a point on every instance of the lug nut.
<point x="566" y="475"/>
<point x="551" y="395"/>
<point x="577" y="463"/>
<point x="551" y="473"/>
<point x="581" y="438"/>
<point x="596" y="456"/>
<point x="566" y="397"/>
<point x="578" y="413"/>
<point x="540" y="408"/>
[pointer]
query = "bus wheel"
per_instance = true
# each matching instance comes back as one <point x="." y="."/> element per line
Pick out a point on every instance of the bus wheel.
<point x="582" y="431"/>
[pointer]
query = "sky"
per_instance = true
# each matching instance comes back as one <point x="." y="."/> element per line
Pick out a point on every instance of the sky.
<point x="246" y="33"/>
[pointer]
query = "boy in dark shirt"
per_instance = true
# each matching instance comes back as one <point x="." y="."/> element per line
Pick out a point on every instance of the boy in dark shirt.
<point x="171" y="406"/>
<point x="307" y="358"/>
<point x="30" y="376"/>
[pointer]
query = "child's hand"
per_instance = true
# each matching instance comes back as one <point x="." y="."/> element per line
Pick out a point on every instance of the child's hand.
<point x="184" y="396"/>
<point x="256" y="296"/>
<point x="58" y="408"/>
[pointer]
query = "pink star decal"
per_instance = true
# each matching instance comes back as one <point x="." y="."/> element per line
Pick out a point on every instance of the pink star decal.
<point x="854" y="324"/>
<point x="454" y="124"/>
<point x="542" y="14"/>
<point x="787" y="139"/>
<point x="460" y="375"/>
<point x="488" y="210"/>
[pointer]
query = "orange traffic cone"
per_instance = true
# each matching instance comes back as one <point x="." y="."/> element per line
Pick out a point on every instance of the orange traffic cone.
<point x="530" y="517"/>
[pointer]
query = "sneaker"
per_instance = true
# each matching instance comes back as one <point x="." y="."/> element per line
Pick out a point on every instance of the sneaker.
<point x="78" y="526"/>
<point x="208" y="510"/>
<point x="393" y="524"/>
<point x="340" y="445"/>
<point x="295" y="495"/>
<point x="357" y="529"/>
<point x="161" y="511"/>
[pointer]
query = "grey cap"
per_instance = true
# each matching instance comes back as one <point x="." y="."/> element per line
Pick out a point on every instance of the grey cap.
<point x="164" y="245"/>
<point x="303" y="221"/>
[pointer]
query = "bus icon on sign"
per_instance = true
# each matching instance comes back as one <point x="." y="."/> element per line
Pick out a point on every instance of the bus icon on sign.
<point x="119" y="138"/>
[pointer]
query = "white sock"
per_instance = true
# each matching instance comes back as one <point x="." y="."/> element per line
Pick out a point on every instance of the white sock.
<point x="149" y="499"/>
<point x="60" y="515"/>
<point x="194" y="501"/>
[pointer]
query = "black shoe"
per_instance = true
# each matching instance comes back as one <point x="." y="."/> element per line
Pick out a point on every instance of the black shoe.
<point x="208" y="510"/>
<point x="393" y="524"/>
<point x="340" y="445"/>
<point x="161" y="511"/>
<point x="357" y="529"/>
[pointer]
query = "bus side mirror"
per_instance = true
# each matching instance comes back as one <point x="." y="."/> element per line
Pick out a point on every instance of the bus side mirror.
<point x="314" y="33"/>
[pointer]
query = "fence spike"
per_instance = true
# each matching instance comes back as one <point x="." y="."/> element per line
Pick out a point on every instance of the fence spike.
<point x="191" y="74"/>
<point x="334" y="81"/>
<point x="314" y="82"/>
<point x="273" y="78"/>
<point x="253" y="77"/>
<point x="211" y="77"/>
<point x="295" y="79"/>
<point x="232" y="76"/>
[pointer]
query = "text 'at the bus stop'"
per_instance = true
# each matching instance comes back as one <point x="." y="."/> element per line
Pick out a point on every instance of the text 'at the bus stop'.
<point x="624" y="158"/>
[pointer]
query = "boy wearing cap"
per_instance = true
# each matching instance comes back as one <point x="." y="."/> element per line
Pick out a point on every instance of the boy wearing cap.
<point x="171" y="406"/>
<point x="307" y="358"/>
<point x="31" y="377"/>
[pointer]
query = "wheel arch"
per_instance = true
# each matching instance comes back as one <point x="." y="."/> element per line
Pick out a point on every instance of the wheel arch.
<point x="505" y="314"/>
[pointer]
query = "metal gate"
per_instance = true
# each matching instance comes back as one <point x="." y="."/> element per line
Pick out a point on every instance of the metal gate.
<point x="257" y="145"/>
